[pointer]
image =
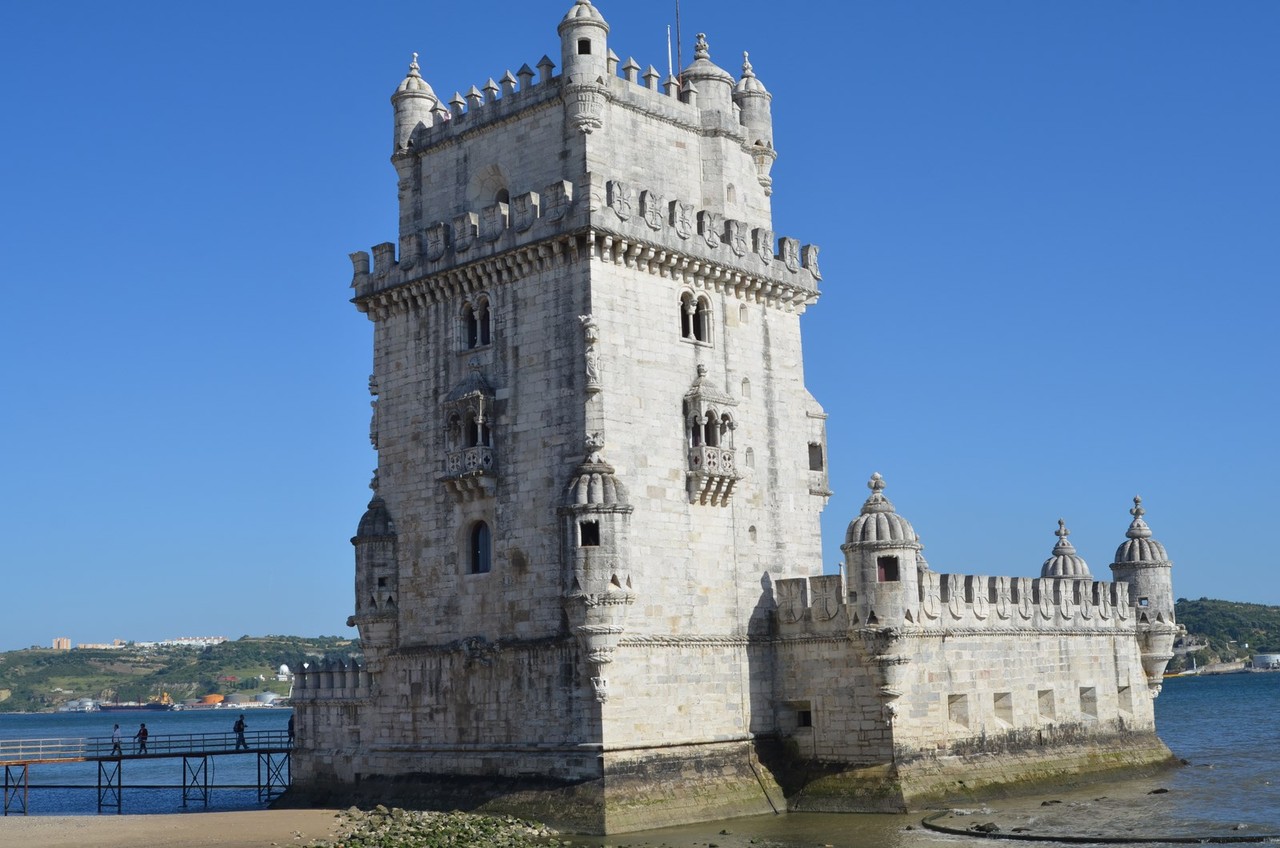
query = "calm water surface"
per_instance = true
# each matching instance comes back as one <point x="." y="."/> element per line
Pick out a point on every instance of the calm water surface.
<point x="235" y="770"/>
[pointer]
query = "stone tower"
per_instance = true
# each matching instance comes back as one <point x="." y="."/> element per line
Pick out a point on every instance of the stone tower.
<point x="596" y="452"/>
<point x="588" y="585"/>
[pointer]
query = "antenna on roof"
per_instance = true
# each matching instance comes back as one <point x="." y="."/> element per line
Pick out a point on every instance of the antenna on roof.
<point x="679" y="48"/>
<point x="669" y="71"/>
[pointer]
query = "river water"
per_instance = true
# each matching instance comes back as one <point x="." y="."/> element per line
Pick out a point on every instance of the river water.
<point x="1225" y="726"/>
<point x="239" y="770"/>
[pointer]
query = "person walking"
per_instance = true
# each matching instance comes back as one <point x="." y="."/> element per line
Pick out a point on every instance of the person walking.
<point x="238" y="727"/>
<point x="141" y="738"/>
<point x="116" y="750"/>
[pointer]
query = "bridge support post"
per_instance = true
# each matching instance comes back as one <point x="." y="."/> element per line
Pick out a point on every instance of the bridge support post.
<point x="195" y="780"/>
<point x="16" y="783"/>
<point x="274" y="774"/>
<point x="110" y="782"/>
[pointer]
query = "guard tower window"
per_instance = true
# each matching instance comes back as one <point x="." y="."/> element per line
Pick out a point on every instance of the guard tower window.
<point x="503" y="196"/>
<point x="815" y="456"/>
<point x="887" y="569"/>
<point x="589" y="534"/>
<point x="1143" y="602"/>
<point x="584" y="47"/>
<point x="477" y="323"/>
<point x="479" y="553"/>
<point x="695" y="318"/>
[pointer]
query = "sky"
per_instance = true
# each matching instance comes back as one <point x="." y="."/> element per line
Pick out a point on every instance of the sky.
<point x="1050" y="249"/>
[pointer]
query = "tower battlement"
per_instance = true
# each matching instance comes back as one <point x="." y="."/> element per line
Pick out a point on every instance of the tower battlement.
<point x="826" y="606"/>
<point x="612" y="220"/>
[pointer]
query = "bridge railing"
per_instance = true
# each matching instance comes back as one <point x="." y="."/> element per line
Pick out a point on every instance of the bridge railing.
<point x="173" y="744"/>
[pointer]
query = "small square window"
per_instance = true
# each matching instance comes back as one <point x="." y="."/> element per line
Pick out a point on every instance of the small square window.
<point x="804" y="718"/>
<point x="1143" y="602"/>
<point x="887" y="569"/>
<point x="589" y="534"/>
<point x="382" y="582"/>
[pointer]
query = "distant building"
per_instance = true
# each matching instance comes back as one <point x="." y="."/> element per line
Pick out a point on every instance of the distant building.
<point x="1266" y="661"/>
<point x="589" y="583"/>
<point x="62" y="643"/>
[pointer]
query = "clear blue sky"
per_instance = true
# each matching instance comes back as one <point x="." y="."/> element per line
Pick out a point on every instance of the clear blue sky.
<point x="1051" y="249"/>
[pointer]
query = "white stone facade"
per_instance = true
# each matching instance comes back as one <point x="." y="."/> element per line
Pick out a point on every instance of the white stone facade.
<point x="592" y="561"/>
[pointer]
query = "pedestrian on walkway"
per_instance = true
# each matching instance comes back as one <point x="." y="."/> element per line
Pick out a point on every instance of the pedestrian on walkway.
<point x="238" y="727"/>
<point x="141" y="738"/>
<point x="116" y="750"/>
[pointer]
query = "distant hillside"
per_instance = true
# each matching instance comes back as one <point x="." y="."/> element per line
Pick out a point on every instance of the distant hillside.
<point x="42" y="679"/>
<point x="1221" y="631"/>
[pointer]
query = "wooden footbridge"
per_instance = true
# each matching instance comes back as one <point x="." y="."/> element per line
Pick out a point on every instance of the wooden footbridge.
<point x="271" y="747"/>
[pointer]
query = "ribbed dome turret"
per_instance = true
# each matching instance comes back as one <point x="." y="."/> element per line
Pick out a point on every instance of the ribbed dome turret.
<point x="702" y="68"/>
<point x="750" y="83"/>
<point x="583" y="12"/>
<point x="1065" y="562"/>
<point x="413" y="83"/>
<point x="413" y="102"/>
<point x="594" y="484"/>
<point x="376" y="521"/>
<point x="878" y="523"/>
<point x="1139" y="547"/>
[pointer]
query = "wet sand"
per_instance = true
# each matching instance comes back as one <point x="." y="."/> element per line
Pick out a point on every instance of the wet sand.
<point x="247" y="829"/>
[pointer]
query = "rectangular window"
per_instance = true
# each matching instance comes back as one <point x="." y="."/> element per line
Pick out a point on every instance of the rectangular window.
<point x="1089" y="703"/>
<point x="1002" y="702"/>
<point x="958" y="711"/>
<point x="1044" y="700"/>
<point x="589" y="534"/>
<point x="815" y="456"/>
<point x="1142" y="602"/>
<point x="1124" y="701"/>
<point x="887" y="569"/>
<point x="804" y="718"/>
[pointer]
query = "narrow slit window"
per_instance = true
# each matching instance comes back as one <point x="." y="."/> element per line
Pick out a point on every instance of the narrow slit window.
<point x="815" y="457"/>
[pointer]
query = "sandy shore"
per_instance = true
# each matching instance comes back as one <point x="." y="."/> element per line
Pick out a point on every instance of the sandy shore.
<point x="249" y="829"/>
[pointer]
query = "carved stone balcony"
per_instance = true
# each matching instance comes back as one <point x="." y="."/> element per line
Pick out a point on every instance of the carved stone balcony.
<point x="712" y="475"/>
<point x="471" y="472"/>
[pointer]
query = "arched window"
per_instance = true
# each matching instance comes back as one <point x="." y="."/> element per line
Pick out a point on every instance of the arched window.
<point x="695" y="318"/>
<point x="477" y="323"/>
<point x="453" y="433"/>
<point x="702" y="321"/>
<point x="479" y="550"/>
<point x="711" y="435"/>
<point x="503" y="196"/>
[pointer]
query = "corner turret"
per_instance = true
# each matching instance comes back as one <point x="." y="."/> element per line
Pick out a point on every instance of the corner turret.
<point x="584" y="44"/>
<point x="880" y="554"/>
<point x="1143" y="563"/>
<point x="414" y="103"/>
<point x="754" y="101"/>
<point x="713" y="83"/>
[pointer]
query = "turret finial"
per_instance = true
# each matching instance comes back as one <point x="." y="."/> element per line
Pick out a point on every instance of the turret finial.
<point x="1138" y="528"/>
<point x="747" y="70"/>
<point x="700" y="49"/>
<point x="876" y="483"/>
<point x="1062" y="532"/>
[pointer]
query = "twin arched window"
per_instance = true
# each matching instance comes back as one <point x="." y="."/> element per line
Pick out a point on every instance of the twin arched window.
<point x="695" y="318"/>
<point x="477" y="323"/>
